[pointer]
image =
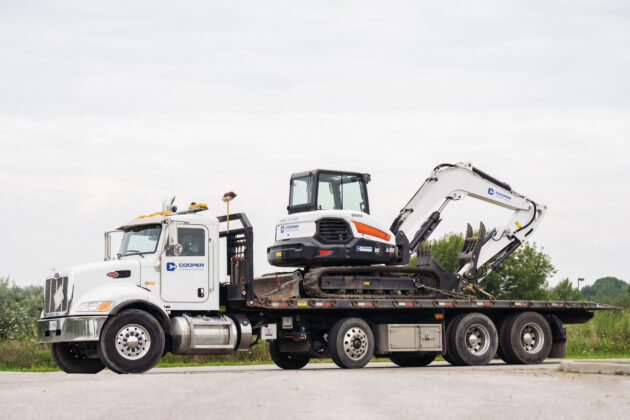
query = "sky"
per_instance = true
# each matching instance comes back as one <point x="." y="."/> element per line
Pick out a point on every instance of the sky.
<point x="107" y="107"/>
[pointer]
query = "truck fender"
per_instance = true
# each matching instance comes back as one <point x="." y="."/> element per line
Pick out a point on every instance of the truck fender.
<point x="147" y="306"/>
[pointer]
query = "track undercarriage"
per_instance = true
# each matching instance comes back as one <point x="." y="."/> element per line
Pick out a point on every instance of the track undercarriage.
<point x="427" y="281"/>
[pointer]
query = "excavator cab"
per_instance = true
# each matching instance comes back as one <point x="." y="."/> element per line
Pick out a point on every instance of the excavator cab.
<point x="328" y="190"/>
<point x="329" y="223"/>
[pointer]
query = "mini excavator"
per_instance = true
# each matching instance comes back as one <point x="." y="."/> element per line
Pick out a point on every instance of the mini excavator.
<point x="344" y="252"/>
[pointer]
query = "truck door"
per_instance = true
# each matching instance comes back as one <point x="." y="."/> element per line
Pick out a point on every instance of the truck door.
<point x="186" y="277"/>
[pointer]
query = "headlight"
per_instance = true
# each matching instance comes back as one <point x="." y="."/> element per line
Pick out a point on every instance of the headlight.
<point x="94" y="306"/>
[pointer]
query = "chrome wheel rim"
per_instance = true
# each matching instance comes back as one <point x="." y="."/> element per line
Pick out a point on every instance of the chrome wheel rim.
<point x="532" y="338"/>
<point x="355" y="343"/>
<point x="477" y="339"/>
<point x="133" y="341"/>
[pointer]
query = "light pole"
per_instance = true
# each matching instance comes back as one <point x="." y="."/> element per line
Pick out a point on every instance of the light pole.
<point x="579" y="280"/>
<point x="227" y="197"/>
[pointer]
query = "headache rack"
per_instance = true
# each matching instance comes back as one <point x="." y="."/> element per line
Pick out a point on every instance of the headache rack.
<point x="240" y="258"/>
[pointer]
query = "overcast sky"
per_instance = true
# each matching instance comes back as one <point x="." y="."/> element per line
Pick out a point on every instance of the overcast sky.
<point x="104" y="106"/>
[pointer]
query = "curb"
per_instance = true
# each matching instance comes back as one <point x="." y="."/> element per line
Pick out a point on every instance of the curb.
<point x="587" y="366"/>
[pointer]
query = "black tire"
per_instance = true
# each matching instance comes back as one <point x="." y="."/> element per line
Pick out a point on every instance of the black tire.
<point x="414" y="359"/>
<point x="287" y="360"/>
<point x="504" y="342"/>
<point x="526" y="338"/>
<point x="351" y="343"/>
<point x="449" y="355"/>
<point x="448" y="358"/>
<point x="71" y="358"/>
<point x="116" y="350"/>
<point x="472" y="339"/>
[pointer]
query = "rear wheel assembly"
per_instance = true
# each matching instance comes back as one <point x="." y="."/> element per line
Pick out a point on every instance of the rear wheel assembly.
<point x="417" y="359"/>
<point x="472" y="339"/>
<point x="286" y="360"/>
<point x="525" y="338"/>
<point x="351" y="343"/>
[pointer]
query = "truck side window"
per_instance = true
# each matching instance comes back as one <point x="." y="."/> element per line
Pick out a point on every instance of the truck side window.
<point x="193" y="242"/>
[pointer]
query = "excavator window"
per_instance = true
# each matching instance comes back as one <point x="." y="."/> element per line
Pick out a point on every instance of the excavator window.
<point x="340" y="192"/>
<point x="328" y="190"/>
<point x="301" y="191"/>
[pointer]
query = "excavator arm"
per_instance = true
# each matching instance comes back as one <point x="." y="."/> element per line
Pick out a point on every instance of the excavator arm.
<point x="448" y="183"/>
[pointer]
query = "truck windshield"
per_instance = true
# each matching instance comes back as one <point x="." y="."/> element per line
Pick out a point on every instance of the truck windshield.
<point x="140" y="240"/>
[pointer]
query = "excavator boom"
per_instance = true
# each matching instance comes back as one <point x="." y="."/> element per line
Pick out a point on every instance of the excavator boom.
<point x="448" y="183"/>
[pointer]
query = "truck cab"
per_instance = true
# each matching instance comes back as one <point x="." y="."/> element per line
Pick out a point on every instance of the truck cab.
<point x="162" y="283"/>
<point x="182" y="275"/>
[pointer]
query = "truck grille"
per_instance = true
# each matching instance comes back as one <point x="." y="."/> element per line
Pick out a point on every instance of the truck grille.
<point x="334" y="230"/>
<point x="56" y="295"/>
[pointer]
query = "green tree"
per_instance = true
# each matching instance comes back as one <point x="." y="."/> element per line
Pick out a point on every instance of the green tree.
<point x="606" y="290"/>
<point x="565" y="291"/>
<point x="446" y="250"/>
<point x="521" y="276"/>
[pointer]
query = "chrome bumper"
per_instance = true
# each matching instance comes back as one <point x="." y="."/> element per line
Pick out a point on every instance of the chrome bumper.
<point x="59" y="330"/>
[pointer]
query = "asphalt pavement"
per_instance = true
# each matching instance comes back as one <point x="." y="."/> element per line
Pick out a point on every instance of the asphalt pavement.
<point x="320" y="390"/>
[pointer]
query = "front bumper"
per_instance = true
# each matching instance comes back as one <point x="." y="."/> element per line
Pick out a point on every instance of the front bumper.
<point x="60" y="330"/>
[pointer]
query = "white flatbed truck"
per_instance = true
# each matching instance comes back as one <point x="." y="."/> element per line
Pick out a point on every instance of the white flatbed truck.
<point x="162" y="293"/>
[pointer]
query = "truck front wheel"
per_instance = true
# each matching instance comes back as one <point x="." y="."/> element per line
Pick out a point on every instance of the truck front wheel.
<point x="286" y="360"/>
<point x="71" y="358"/>
<point x="351" y="343"/>
<point x="131" y="342"/>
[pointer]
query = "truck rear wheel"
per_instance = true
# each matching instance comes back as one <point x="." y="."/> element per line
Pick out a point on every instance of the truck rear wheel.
<point x="287" y="360"/>
<point x="412" y="359"/>
<point x="131" y="342"/>
<point x="503" y="342"/>
<point x="447" y="355"/>
<point x="472" y="339"/>
<point x="72" y="359"/>
<point x="351" y="343"/>
<point x="525" y="338"/>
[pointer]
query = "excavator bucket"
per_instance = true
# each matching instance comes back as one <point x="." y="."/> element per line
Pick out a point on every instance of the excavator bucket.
<point x="470" y="250"/>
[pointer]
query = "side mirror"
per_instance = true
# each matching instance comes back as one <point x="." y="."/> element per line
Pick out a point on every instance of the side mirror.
<point x="108" y="245"/>
<point x="173" y="240"/>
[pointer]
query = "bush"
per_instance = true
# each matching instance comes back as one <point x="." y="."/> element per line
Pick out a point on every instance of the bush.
<point x="19" y="310"/>
<point x="607" y="334"/>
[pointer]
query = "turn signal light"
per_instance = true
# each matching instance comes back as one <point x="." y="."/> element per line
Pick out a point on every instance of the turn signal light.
<point x="372" y="231"/>
<point x="103" y="306"/>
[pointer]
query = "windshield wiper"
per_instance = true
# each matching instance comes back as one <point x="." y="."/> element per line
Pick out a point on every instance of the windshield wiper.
<point x="134" y="253"/>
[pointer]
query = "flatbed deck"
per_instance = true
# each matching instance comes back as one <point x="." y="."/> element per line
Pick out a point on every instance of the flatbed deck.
<point x="389" y="303"/>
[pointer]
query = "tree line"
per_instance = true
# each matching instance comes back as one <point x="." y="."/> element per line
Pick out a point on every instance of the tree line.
<point x="526" y="273"/>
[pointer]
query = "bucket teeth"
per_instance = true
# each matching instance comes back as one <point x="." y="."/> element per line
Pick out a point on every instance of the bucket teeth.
<point x="482" y="231"/>
<point x="469" y="231"/>
<point x="472" y="246"/>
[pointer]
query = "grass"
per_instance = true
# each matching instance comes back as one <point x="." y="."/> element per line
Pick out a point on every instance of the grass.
<point x="607" y="335"/>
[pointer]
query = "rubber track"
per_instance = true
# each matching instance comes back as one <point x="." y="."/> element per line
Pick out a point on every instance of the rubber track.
<point x="312" y="278"/>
